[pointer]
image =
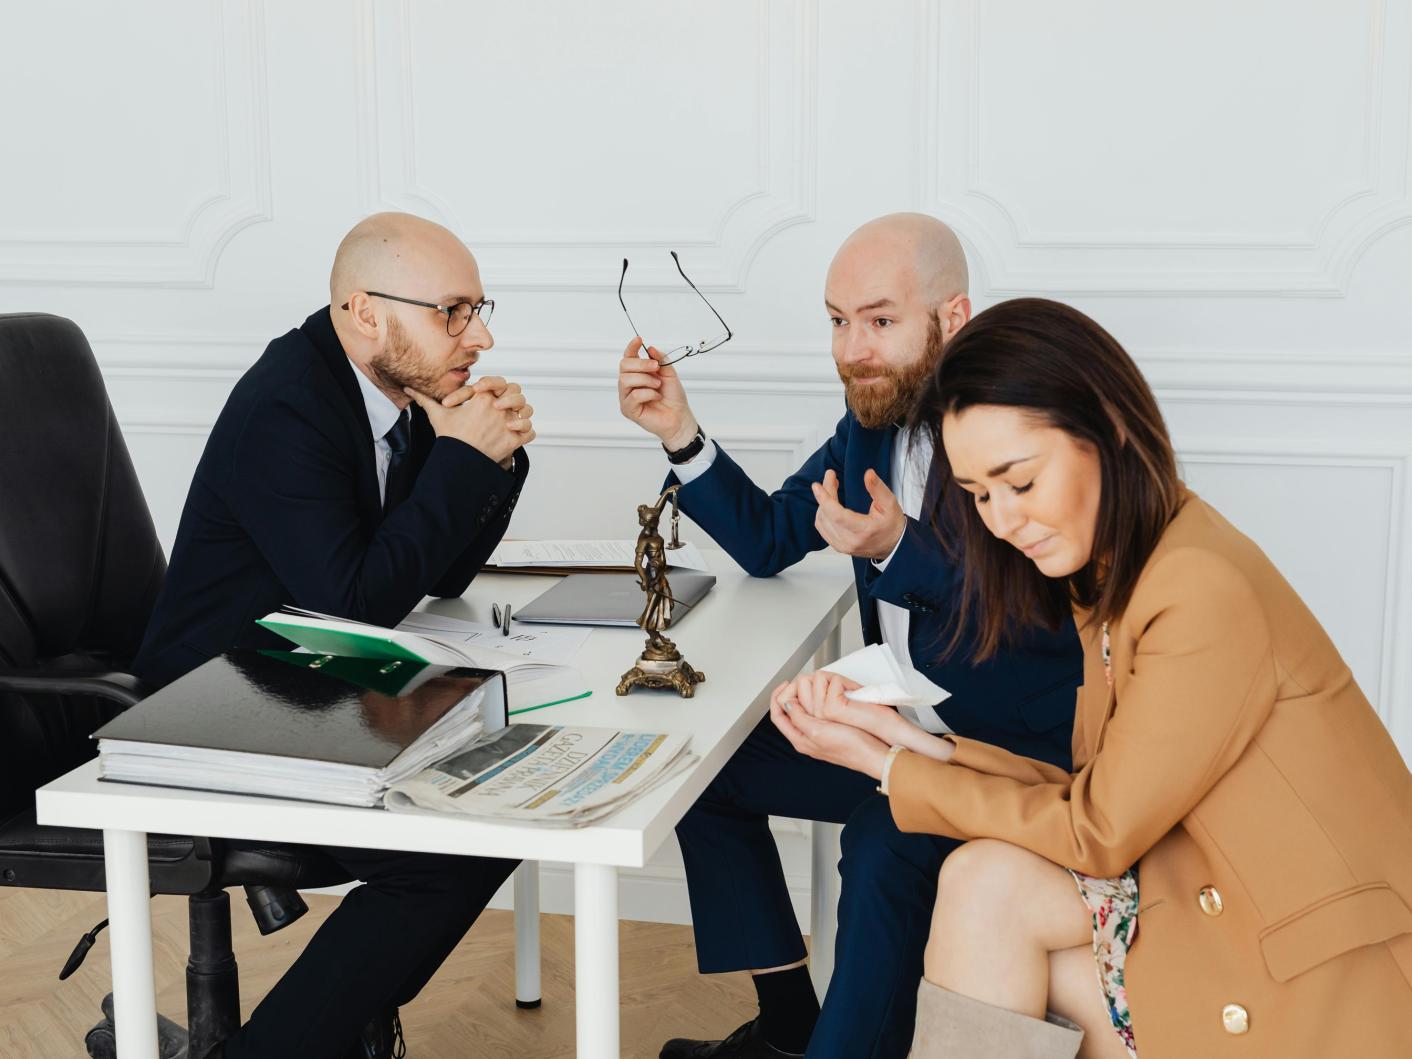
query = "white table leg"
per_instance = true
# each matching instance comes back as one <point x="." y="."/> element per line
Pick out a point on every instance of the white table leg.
<point x="596" y="960"/>
<point x="824" y="881"/>
<point x="527" y="987"/>
<point x="829" y="650"/>
<point x="823" y="903"/>
<point x="130" y="940"/>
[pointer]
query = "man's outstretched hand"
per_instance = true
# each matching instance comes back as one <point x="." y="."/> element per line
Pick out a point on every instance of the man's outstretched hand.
<point x="870" y="536"/>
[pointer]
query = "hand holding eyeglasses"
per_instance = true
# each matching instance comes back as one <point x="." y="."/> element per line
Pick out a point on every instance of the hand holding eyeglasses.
<point x="650" y="394"/>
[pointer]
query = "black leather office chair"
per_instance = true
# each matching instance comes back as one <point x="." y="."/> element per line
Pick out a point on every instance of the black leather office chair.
<point x="80" y="568"/>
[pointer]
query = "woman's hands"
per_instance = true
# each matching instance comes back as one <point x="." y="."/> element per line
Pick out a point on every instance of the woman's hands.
<point x="812" y="712"/>
<point x="834" y="741"/>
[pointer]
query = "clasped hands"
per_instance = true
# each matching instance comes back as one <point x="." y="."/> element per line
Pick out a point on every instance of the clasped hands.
<point x="490" y="414"/>
<point x="812" y="712"/>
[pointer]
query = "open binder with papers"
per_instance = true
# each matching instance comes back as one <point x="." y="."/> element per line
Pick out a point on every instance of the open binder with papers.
<point x="533" y="660"/>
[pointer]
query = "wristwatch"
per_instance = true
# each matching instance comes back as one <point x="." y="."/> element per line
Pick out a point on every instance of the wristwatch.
<point x="689" y="451"/>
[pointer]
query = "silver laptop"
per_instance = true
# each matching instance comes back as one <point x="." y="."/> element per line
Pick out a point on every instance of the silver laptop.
<point x="611" y="599"/>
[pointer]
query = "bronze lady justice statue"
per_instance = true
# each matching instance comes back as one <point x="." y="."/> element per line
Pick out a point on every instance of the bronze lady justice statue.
<point x="660" y="665"/>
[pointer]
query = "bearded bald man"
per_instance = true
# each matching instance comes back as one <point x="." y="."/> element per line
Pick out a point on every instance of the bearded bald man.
<point x="355" y="469"/>
<point x="896" y="293"/>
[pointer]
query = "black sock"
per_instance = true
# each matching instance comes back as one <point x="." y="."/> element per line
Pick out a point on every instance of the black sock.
<point x="788" y="1008"/>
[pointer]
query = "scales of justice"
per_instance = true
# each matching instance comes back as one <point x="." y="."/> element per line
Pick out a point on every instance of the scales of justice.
<point x="660" y="665"/>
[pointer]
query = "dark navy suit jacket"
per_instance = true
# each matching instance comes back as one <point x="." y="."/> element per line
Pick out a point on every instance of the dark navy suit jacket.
<point x="284" y="509"/>
<point x="1022" y="699"/>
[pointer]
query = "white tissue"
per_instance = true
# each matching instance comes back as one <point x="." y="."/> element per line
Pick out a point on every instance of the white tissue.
<point x="885" y="680"/>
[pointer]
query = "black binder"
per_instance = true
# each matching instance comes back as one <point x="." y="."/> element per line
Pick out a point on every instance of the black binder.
<point x="246" y="722"/>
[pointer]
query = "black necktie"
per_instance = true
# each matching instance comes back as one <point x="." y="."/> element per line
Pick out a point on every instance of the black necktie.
<point x="399" y="468"/>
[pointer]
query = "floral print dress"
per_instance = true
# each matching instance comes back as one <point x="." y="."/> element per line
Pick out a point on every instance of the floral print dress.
<point x="1113" y="905"/>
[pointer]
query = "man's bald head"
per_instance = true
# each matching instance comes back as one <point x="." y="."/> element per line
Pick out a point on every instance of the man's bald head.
<point x="399" y="253"/>
<point x="896" y="293"/>
<point x="394" y="282"/>
<point x="937" y="262"/>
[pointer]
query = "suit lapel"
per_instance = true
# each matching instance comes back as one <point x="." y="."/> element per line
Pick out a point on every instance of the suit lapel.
<point x="319" y="330"/>
<point x="1097" y="698"/>
<point x="884" y="461"/>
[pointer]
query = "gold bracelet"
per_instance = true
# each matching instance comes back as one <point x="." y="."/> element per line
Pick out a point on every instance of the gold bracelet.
<point x="887" y="767"/>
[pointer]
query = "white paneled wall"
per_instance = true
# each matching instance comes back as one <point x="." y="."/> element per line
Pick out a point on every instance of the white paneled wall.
<point x="1224" y="186"/>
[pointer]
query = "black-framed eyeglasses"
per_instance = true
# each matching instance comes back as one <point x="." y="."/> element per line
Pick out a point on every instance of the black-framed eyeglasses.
<point x="680" y="353"/>
<point x="458" y="316"/>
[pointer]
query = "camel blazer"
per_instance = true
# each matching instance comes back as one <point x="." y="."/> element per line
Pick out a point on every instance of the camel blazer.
<point x="1269" y="814"/>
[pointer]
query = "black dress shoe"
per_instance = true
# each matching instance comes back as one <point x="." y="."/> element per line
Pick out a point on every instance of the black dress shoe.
<point x="744" y="1043"/>
<point x="381" y="1039"/>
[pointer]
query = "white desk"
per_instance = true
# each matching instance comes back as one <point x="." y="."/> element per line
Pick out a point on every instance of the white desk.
<point x="747" y="636"/>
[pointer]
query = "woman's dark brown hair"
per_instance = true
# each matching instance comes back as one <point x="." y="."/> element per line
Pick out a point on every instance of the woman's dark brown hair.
<point x="1059" y="366"/>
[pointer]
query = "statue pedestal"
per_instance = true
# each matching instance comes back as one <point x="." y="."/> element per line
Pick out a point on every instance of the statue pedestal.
<point x="662" y="673"/>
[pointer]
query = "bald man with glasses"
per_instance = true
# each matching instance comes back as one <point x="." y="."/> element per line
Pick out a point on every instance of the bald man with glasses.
<point x="356" y="468"/>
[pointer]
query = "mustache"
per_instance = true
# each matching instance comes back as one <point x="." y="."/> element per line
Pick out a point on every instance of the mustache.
<point x="849" y="372"/>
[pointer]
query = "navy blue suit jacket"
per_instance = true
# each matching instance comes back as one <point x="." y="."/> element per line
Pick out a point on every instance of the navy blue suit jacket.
<point x="284" y="509"/>
<point x="1022" y="699"/>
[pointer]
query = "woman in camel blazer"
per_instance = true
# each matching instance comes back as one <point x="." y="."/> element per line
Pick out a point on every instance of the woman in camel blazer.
<point x="1239" y="825"/>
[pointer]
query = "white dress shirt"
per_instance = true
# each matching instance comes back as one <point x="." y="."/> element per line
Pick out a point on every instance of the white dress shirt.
<point x="911" y="461"/>
<point x="382" y="416"/>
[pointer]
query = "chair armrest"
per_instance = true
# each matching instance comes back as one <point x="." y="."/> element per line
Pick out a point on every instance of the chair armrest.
<point x="122" y="688"/>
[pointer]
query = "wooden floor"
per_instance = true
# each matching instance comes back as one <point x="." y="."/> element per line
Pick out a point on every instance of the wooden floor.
<point x="467" y="1010"/>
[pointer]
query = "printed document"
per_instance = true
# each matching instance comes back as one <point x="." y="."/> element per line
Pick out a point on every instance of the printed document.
<point x="584" y="554"/>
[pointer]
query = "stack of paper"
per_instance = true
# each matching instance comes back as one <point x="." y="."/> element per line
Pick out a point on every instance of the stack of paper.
<point x="566" y="555"/>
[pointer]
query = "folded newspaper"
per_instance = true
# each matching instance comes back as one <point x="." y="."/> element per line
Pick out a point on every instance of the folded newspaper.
<point x="551" y="775"/>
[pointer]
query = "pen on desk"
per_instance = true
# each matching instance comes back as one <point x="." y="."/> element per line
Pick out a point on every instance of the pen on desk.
<point x="501" y="617"/>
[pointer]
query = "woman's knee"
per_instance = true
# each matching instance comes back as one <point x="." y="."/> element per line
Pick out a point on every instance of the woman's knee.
<point x="984" y="872"/>
<point x="991" y="885"/>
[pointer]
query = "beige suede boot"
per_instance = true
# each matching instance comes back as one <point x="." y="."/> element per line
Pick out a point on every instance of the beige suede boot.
<point x="952" y="1026"/>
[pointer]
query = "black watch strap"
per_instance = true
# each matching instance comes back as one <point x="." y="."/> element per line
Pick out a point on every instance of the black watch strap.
<point x="689" y="451"/>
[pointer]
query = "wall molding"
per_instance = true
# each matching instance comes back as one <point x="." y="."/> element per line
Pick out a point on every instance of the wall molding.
<point x="798" y="441"/>
<point x="1393" y="694"/>
<point x="804" y="368"/>
<point x="240" y="198"/>
<point x="1017" y="257"/>
<point x="785" y="167"/>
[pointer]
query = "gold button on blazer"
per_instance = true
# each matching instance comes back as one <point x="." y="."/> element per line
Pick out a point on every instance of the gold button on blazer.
<point x="1237" y="764"/>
